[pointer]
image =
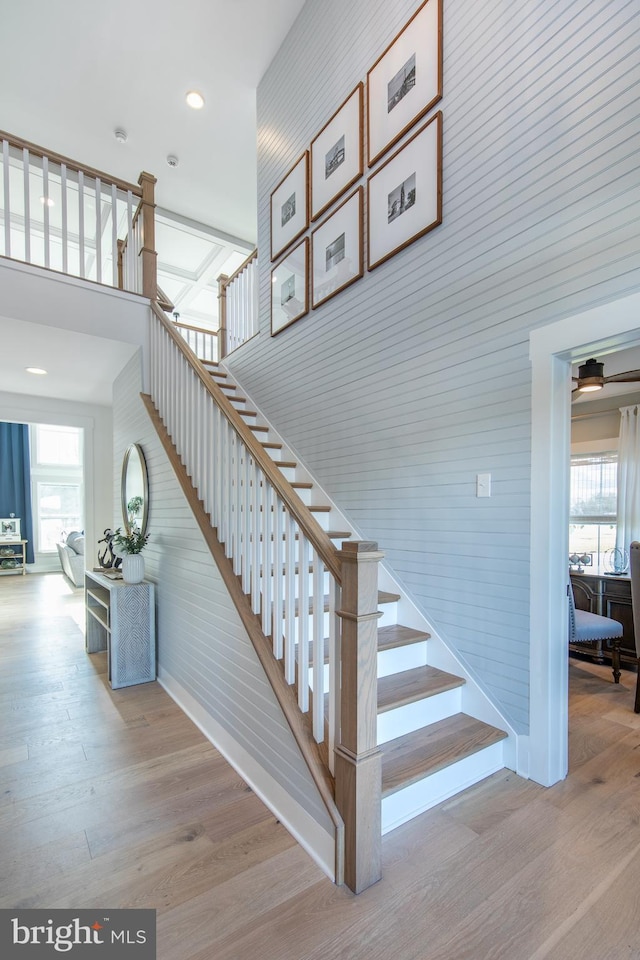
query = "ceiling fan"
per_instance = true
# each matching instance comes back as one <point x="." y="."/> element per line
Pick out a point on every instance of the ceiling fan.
<point x="591" y="378"/>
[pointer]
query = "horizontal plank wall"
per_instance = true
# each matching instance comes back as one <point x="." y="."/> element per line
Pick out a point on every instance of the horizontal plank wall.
<point x="401" y="389"/>
<point x="205" y="657"/>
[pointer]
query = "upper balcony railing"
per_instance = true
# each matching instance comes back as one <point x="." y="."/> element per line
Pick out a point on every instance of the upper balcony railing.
<point x="65" y="216"/>
<point x="238" y="295"/>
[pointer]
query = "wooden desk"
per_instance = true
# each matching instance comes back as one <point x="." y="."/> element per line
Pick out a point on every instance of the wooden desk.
<point x="608" y="596"/>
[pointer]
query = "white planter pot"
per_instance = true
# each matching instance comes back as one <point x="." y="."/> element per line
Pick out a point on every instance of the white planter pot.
<point x="133" y="568"/>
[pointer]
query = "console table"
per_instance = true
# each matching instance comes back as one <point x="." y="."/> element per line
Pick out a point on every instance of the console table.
<point x="608" y="596"/>
<point x="120" y="618"/>
<point x="18" y="556"/>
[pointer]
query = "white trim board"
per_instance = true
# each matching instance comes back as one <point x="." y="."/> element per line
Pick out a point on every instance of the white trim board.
<point x="552" y="350"/>
<point x="309" y="834"/>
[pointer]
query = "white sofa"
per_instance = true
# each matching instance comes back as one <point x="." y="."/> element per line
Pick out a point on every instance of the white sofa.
<point x="71" y="553"/>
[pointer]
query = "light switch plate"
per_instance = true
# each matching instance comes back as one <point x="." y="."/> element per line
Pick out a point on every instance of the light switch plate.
<point x="483" y="485"/>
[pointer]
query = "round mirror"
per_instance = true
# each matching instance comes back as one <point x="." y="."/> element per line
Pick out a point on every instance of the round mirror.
<point x="135" y="490"/>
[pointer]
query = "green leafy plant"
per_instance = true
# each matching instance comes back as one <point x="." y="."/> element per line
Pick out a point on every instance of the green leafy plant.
<point x="134" y="505"/>
<point x="133" y="542"/>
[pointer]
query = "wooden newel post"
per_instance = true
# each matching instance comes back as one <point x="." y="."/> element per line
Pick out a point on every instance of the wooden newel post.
<point x="358" y="760"/>
<point x="223" y="280"/>
<point x="148" y="250"/>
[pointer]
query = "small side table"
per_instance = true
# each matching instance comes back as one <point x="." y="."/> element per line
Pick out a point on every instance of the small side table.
<point x="19" y="551"/>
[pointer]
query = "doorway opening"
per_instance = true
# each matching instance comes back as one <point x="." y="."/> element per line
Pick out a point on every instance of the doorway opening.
<point x="599" y="331"/>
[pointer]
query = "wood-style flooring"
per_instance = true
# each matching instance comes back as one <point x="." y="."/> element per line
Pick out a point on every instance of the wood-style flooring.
<point x="115" y="799"/>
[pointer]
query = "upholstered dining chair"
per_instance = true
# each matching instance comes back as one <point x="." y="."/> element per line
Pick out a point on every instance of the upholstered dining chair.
<point x="586" y="627"/>
<point x="635" y="602"/>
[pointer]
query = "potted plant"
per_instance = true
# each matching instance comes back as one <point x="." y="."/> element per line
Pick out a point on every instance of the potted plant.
<point x="132" y="544"/>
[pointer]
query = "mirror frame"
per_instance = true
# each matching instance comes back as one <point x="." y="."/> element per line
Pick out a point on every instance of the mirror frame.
<point x="131" y="449"/>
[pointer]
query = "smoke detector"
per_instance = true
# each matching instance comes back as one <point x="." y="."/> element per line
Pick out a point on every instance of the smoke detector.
<point x="120" y="135"/>
<point x="172" y="160"/>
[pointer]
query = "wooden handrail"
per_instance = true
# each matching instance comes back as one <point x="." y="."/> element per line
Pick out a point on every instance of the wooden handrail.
<point x="190" y="326"/>
<point x="243" y="266"/>
<point x="38" y="151"/>
<point x="306" y="521"/>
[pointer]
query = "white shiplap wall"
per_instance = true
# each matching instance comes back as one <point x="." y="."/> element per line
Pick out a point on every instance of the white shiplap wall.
<point x="205" y="657"/>
<point x="402" y="388"/>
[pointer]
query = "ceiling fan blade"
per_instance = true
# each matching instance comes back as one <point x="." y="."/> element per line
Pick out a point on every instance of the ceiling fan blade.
<point x="627" y="376"/>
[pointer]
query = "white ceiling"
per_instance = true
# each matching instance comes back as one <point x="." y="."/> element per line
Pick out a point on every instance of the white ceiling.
<point x="80" y="69"/>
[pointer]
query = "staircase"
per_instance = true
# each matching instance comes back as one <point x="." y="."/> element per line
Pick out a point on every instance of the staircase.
<point x="431" y="749"/>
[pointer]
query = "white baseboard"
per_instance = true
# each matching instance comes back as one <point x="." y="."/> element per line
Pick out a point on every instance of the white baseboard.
<point x="311" y="836"/>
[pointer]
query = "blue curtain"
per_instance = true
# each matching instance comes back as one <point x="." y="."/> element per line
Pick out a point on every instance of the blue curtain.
<point x="15" y="479"/>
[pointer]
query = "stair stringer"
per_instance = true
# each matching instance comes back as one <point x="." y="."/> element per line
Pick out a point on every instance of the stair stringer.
<point x="476" y="701"/>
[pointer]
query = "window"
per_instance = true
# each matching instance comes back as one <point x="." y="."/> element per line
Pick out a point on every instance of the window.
<point x="57" y="483"/>
<point x="592" y="512"/>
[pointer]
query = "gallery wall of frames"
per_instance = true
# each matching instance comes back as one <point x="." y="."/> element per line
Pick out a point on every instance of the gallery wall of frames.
<point x="319" y="208"/>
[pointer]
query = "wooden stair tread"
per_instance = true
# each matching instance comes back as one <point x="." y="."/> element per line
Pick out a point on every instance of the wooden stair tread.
<point x="414" y="756"/>
<point x="385" y="597"/>
<point x="284" y="463"/>
<point x="301" y="485"/>
<point x="271" y="445"/>
<point x="415" y="684"/>
<point x="395" y="635"/>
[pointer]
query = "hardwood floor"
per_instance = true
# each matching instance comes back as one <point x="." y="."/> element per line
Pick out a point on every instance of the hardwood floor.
<point x="113" y="798"/>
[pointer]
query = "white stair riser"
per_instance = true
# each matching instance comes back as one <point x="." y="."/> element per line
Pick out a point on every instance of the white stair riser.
<point x="397" y="659"/>
<point x="415" y="799"/>
<point x="412" y="716"/>
<point x="389" y="613"/>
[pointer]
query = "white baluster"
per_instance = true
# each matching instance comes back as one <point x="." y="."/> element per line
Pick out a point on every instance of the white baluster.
<point x="290" y="600"/>
<point x="267" y="556"/>
<point x="318" y="648"/>
<point x="334" y="667"/>
<point x="98" y="192"/>
<point x="81" y="221"/>
<point x="64" y="216"/>
<point x="114" y="235"/>
<point x="237" y="506"/>
<point x="46" y="204"/>
<point x="256" y="539"/>
<point x="278" y="563"/>
<point x="246" y="526"/>
<point x="27" y="206"/>
<point x="130" y="253"/>
<point x="303" y="624"/>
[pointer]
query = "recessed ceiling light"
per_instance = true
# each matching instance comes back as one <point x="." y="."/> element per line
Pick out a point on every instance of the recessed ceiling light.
<point x="195" y="100"/>
<point x="37" y="370"/>
<point x="47" y="202"/>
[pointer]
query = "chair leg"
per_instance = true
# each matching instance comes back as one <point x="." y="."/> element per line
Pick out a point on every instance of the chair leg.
<point x="615" y="658"/>
<point x="636" y="708"/>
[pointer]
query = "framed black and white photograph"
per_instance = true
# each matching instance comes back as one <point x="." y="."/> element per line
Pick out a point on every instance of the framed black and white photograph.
<point x="289" y="288"/>
<point x="10" y="528"/>
<point x="290" y="207"/>
<point x="406" y="81"/>
<point x="336" y="154"/>
<point x="404" y="198"/>
<point x="336" y="250"/>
